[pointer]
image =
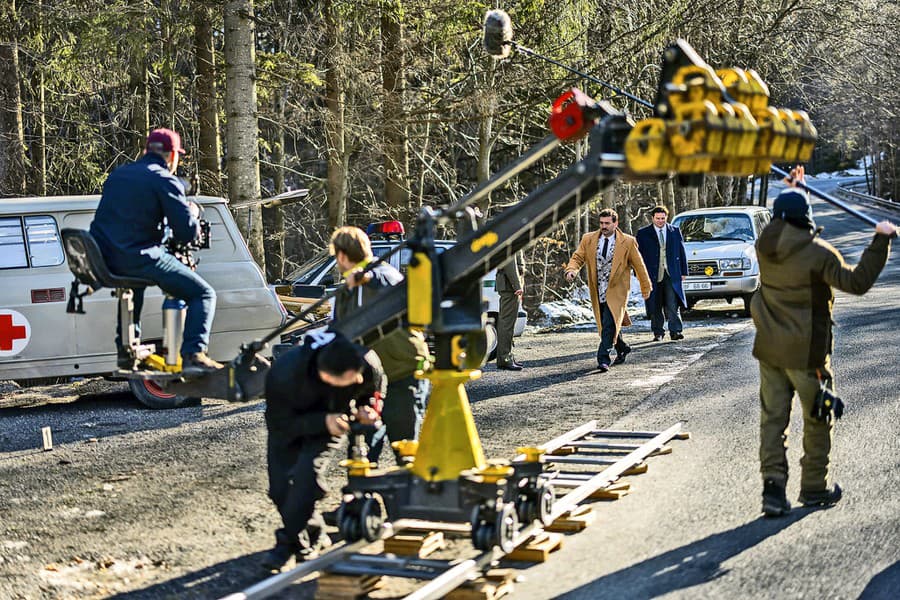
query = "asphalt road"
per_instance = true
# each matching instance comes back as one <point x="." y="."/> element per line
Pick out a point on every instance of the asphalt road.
<point x="692" y="526"/>
<point x="136" y="504"/>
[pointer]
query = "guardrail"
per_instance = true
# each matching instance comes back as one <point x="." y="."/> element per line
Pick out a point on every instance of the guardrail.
<point x="866" y="198"/>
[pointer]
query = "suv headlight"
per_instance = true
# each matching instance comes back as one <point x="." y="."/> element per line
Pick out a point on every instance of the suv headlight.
<point x="726" y="264"/>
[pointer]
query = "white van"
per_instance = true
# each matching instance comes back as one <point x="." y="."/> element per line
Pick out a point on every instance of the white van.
<point x="39" y="339"/>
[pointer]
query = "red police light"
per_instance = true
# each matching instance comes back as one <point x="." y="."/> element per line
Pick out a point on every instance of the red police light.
<point x="385" y="228"/>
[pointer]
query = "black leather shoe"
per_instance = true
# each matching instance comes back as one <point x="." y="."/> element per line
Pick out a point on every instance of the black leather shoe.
<point x="510" y="366"/>
<point x="775" y="502"/>
<point x="825" y="497"/>
<point x="620" y="357"/>
<point x="676" y="335"/>
<point x="658" y="337"/>
<point x="603" y="367"/>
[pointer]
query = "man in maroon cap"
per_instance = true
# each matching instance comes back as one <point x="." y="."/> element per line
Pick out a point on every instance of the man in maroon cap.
<point x="128" y="228"/>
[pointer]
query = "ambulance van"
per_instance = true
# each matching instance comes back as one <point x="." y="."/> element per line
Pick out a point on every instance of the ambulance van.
<point x="39" y="339"/>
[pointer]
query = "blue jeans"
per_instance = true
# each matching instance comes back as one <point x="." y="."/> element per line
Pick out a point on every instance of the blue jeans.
<point x="668" y="299"/>
<point x="179" y="281"/>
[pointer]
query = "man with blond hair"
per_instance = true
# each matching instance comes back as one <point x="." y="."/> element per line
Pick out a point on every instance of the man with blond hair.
<point x="400" y="351"/>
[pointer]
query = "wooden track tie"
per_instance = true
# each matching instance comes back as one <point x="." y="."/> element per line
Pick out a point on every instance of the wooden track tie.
<point x="341" y="587"/>
<point x="574" y="520"/>
<point x="537" y="548"/>
<point x="418" y="544"/>
<point x="496" y="583"/>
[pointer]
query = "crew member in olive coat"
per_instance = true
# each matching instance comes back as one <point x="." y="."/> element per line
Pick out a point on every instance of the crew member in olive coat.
<point x="400" y="351"/>
<point x="609" y="268"/>
<point x="792" y="312"/>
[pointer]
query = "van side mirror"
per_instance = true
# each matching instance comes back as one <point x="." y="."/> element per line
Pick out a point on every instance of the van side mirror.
<point x="301" y="290"/>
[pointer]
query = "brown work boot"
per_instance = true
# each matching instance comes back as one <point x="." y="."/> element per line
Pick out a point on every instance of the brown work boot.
<point x="199" y="362"/>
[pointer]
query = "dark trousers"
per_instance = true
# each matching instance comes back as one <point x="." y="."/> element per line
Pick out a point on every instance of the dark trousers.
<point x="607" y="332"/>
<point x="506" y="326"/>
<point x="665" y="298"/>
<point x="295" y="485"/>
<point x="404" y="409"/>
<point x="179" y="281"/>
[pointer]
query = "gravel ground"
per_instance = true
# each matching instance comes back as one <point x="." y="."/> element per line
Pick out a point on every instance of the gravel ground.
<point x="136" y="503"/>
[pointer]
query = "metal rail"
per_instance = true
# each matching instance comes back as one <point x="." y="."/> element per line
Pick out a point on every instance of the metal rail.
<point x="444" y="576"/>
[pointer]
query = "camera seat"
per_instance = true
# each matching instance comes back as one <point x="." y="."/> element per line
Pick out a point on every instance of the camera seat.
<point x="90" y="269"/>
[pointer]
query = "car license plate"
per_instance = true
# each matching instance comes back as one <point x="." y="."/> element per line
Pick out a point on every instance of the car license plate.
<point x="701" y="285"/>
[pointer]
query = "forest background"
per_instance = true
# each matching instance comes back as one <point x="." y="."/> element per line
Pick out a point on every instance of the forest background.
<point x="379" y="107"/>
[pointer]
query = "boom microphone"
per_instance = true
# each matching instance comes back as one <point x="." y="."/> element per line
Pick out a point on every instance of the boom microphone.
<point x="498" y="33"/>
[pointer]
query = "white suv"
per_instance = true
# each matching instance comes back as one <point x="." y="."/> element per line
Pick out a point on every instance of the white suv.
<point x="721" y="252"/>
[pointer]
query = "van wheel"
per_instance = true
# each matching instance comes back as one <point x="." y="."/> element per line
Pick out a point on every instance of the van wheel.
<point x="490" y="331"/>
<point x="153" y="396"/>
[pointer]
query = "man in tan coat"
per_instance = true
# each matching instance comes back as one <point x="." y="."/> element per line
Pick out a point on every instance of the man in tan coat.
<point x="610" y="256"/>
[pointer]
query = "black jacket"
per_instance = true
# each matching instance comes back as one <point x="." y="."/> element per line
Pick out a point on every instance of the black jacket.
<point x="297" y="400"/>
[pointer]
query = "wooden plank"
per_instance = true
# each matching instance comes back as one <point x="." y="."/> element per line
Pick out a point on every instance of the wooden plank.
<point x="574" y="520"/>
<point x="420" y="545"/>
<point x="341" y="587"/>
<point x="612" y="492"/>
<point x="538" y="548"/>
<point x="495" y="584"/>
<point x="637" y="469"/>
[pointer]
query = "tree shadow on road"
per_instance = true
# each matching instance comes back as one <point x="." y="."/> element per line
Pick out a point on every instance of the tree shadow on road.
<point x="684" y="567"/>
<point x="216" y="581"/>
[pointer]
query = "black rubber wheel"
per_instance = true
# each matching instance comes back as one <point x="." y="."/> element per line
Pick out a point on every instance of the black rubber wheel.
<point x="370" y="519"/>
<point x="153" y="396"/>
<point x="546" y="498"/>
<point x="490" y="331"/>
<point x="505" y="528"/>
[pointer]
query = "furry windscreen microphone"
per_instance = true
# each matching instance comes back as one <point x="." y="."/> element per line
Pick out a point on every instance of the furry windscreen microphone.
<point x="497" y="33"/>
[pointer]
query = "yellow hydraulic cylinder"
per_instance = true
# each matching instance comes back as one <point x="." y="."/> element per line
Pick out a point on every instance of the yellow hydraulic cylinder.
<point x="418" y="278"/>
<point x="449" y="442"/>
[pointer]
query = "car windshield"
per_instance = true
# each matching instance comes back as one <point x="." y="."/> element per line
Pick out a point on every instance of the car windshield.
<point x="713" y="228"/>
<point x="306" y="273"/>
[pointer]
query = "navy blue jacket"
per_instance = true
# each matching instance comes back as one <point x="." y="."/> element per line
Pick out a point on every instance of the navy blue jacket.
<point x="676" y="259"/>
<point x="136" y="197"/>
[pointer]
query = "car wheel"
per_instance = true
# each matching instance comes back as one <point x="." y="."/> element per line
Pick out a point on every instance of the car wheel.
<point x="153" y="396"/>
<point x="490" y="331"/>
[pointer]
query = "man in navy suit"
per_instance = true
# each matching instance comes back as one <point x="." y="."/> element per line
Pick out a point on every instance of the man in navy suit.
<point x="662" y="249"/>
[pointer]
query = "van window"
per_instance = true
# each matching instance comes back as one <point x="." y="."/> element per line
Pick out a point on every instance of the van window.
<point x="12" y="244"/>
<point x="39" y="236"/>
<point x="44" y="247"/>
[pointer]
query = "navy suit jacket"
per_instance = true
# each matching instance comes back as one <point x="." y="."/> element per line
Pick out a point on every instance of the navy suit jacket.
<point x="676" y="259"/>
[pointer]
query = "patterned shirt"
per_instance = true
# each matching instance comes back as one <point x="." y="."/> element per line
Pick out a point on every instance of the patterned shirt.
<point x="604" y="265"/>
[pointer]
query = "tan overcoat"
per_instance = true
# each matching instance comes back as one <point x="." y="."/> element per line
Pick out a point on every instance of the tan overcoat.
<point x="626" y="259"/>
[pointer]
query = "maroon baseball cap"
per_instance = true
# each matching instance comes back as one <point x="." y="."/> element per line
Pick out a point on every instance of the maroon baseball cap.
<point x="164" y="140"/>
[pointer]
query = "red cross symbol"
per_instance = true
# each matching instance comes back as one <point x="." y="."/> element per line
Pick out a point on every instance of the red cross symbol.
<point x="9" y="332"/>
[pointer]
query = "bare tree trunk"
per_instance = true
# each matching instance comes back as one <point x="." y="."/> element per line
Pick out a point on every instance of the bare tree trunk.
<point x="242" y="127"/>
<point x="273" y="218"/>
<point x="138" y="81"/>
<point x="394" y="136"/>
<point x="38" y="83"/>
<point x="741" y="194"/>
<point x="12" y="137"/>
<point x="335" y="141"/>
<point x="209" y="147"/>
<point x="486" y="131"/>
<point x="168" y="18"/>
<point x="667" y="195"/>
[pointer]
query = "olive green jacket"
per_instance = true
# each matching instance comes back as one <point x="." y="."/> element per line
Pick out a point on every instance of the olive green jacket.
<point x="400" y="349"/>
<point x="792" y="309"/>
